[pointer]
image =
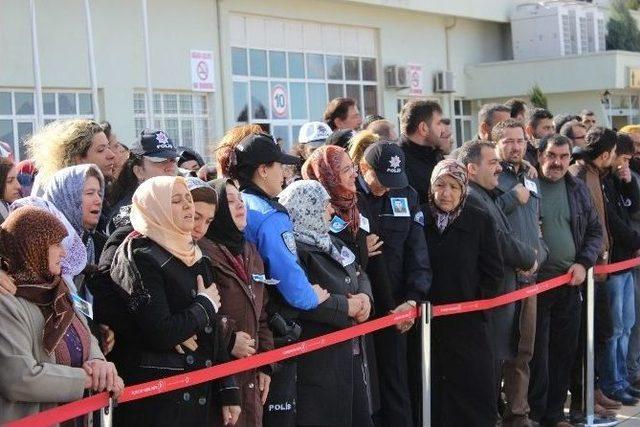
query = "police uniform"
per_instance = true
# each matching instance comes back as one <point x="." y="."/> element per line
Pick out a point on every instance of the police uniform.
<point x="400" y="221"/>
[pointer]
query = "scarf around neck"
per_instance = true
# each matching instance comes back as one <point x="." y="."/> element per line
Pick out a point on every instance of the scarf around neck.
<point x="152" y="217"/>
<point x="222" y="229"/>
<point x="323" y="166"/>
<point x="25" y="238"/>
<point x="457" y="171"/>
<point x="306" y="201"/>
<point x="64" y="190"/>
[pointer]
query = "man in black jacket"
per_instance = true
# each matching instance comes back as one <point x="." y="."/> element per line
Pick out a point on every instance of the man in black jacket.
<point x="395" y="209"/>
<point x="421" y="127"/>
<point x="572" y="232"/>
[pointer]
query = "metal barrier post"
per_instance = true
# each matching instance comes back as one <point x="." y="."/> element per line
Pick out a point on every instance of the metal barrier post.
<point x="425" y="329"/>
<point x="589" y="378"/>
<point x="106" y="414"/>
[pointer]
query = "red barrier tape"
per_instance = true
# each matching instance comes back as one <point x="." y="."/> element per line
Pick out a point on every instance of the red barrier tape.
<point x="612" y="268"/>
<point x="176" y="382"/>
<point x="485" y="304"/>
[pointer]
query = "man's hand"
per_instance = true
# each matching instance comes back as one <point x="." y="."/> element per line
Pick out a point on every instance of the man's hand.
<point x="578" y="274"/>
<point x="355" y="306"/>
<point x="522" y="193"/>
<point x="244" y="345"/>
<point x="407" y="324"/>
<point x="108" y="339"/>
<point x="373" y="245"/>
<point x="7" y="285"/>
<point x="264" y="381"/>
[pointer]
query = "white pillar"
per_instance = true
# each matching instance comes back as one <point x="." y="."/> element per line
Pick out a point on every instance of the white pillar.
<point x="147" y="58"/>
<point x="36" y="67"/>
<point x="92" y="61"/>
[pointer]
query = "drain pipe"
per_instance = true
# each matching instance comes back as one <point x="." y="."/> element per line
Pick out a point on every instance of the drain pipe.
<point x="447" y="28"/>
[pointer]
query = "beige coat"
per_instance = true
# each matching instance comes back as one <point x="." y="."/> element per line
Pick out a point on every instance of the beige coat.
<point x="30" y="380"/>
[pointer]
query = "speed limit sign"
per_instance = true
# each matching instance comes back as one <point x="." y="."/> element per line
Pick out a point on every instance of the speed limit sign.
<point x="279" y="101"/>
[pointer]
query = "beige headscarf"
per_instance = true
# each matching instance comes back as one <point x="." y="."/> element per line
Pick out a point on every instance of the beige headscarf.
<point x="151" y="216"/>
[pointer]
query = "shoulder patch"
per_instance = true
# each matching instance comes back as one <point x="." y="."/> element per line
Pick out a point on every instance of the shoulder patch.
<point x="419" y="218"/>
<point x="290" y="242"/>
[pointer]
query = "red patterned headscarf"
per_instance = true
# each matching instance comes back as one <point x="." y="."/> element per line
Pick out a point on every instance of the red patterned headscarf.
<point x="25" y="238"/>
<point x="324" y="165"/>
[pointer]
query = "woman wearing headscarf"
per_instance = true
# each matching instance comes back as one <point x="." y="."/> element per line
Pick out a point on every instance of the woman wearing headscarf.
<point x="47" y="353"/>
<point x="161" y="275"/>
<point x="467" y="265"/>
<point x="341" y="398"/>
<point x="10" y="190"/>
<point x="242" y="284"/>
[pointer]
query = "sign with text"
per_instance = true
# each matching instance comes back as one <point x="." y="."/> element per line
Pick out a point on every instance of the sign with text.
<point x="414" y="74"/>
<point x="202" y="71"/>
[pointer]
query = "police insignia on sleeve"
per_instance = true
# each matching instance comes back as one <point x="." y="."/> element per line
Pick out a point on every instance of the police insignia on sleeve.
<point x="419" y="218"/>
<point x="290" y="242"/>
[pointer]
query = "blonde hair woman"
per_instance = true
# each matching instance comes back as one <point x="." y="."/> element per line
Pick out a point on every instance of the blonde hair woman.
<point x="67" y="143"/>
<point x="359" y="142"/>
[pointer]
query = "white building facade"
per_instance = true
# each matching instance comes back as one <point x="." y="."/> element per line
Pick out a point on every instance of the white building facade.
<point x="274" y="62"/>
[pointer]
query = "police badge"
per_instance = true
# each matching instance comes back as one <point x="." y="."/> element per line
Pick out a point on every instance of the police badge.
<point x="290" y="242"/>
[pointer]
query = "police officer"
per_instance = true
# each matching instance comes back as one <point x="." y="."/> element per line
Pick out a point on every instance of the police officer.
<point x="395" y="209"/>
<point x="257" y="164"/>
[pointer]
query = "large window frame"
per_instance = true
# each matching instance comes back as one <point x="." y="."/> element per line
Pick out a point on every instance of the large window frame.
<point x="189" y="124"/>
<point x="21" y="115"/>
<point x="462" y="121"/>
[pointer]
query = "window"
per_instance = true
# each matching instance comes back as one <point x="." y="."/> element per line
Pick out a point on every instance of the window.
<point x="18" y="115"/>
<point x="290" y="82"/>
<point x="184" y="116"/>
<point x="462" y="118"/>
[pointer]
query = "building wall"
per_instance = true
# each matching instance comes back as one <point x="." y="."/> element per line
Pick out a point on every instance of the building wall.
<point x="405" y="34"/>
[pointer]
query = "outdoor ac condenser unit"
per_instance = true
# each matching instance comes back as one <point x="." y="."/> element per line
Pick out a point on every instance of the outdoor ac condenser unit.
<point x="444" y="82"/>
<point x="395" y="77"/>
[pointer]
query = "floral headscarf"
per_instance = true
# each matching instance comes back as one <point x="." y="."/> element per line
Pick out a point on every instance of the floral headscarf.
<point x="75" y="259"/>
<point x="323" y="165"/>
<point x="457" y="171"/>
<point x="306" y="201"/>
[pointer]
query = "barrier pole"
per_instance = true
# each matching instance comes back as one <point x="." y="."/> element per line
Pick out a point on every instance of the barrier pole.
<point x="589" y="378"/>
<point x="106" y="414"/>
<point x="425" y="329"/>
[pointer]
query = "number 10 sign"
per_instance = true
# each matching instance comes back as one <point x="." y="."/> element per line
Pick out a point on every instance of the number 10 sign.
<point x="279" y="102"/>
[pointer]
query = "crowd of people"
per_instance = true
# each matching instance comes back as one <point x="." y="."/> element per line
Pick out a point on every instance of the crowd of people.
<point x="122" y="264"/>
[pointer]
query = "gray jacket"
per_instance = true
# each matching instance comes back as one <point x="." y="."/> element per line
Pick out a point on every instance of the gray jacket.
<point x="516" y="255"/>
<point x="524" y="220"/>
<point x="30" y="379"/>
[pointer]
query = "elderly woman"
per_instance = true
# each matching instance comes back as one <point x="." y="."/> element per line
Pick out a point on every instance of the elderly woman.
<point x="462" y="378"/>
<point x="342" y="397"/>
<point x="161" y="275"/>
<point x="47" y="353"/>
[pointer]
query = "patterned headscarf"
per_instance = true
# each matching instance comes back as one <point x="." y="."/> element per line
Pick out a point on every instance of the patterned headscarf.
<point x="152" y="217"/>
<point x="75" y="259"/>
<point x="25" y="238"/>
<point x="457" y="171"/>
<point x="323" y="165"/>
<point x="64" y="190"/>
<point x="306" y="201"/>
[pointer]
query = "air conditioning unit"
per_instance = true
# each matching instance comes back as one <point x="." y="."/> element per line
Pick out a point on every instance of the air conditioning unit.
<point x="443" y="82"/>
<point x="395" y="77"/>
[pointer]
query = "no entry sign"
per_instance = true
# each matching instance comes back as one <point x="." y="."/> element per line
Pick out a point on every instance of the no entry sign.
<point x="202" y="71"/>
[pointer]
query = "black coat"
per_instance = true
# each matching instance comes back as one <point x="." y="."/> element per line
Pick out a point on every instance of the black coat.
<point x="404" y="251"/>
<point x="420" y="163"/>
<point x="325" y="377"/>
<point x="173" y="314"/>
<point x="515" y="255"/>
<point x="467" y="266"/>
<point x="621" y="200"/>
